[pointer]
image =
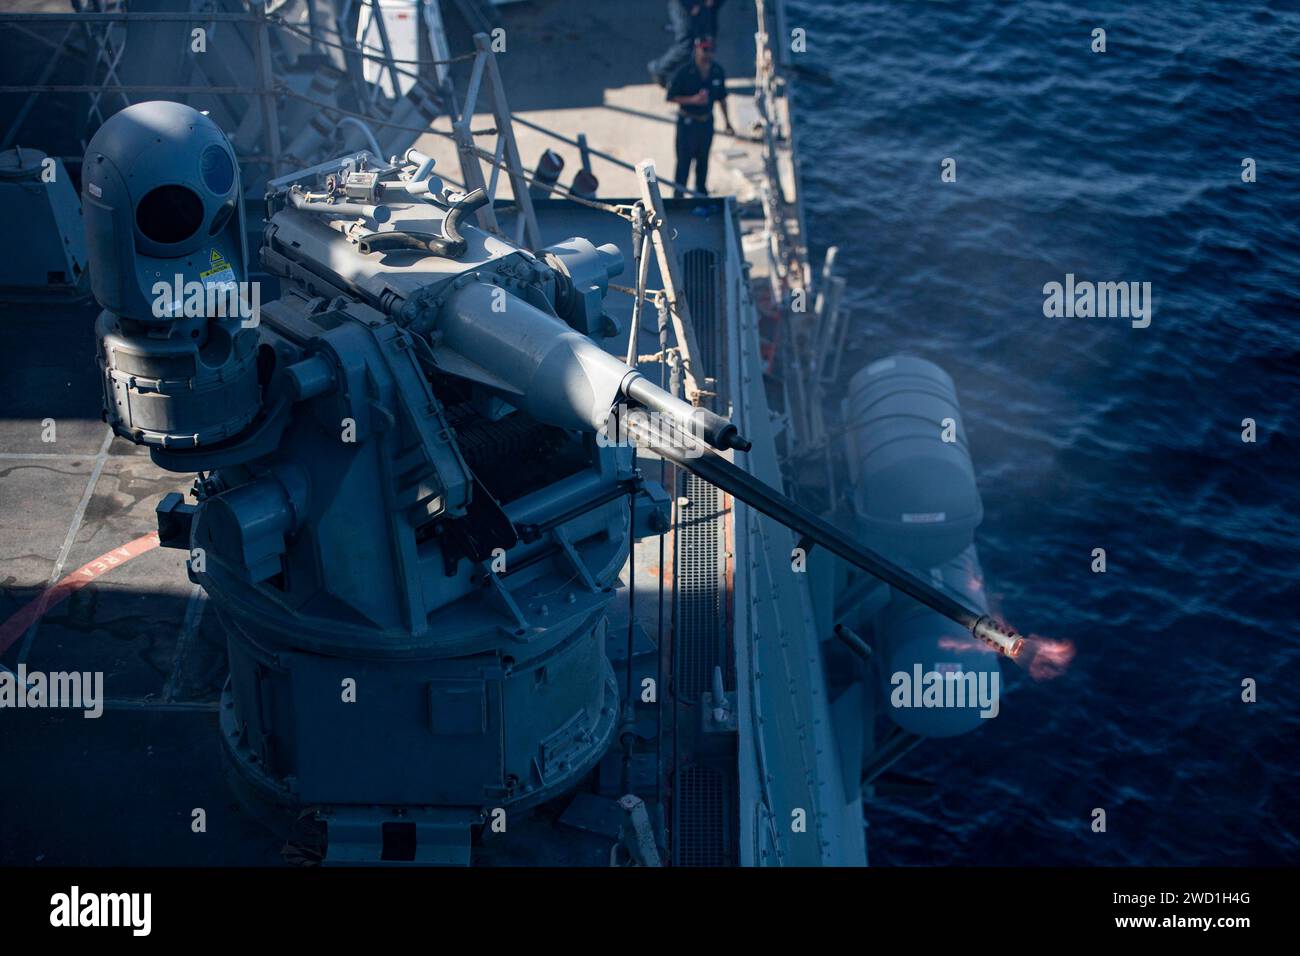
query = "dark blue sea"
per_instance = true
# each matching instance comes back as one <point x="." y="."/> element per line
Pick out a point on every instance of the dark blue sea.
<point x="1086" y="432"/>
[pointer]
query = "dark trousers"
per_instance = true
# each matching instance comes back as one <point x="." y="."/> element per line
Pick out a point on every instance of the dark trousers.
<point x="694" y="137"/>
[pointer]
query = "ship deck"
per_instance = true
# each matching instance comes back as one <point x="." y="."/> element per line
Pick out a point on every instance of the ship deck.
<point x="588" y="76"/>
<point x="77" y="506"/>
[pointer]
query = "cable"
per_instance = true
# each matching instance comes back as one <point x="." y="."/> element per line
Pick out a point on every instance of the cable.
<point x="367" y="131"/>
<point x="368" y="52"/>
<point x="678" y="187"/>
<point x="629" y="703"/>
<point x="652" y="294"/>
<point x="366" y="117"/>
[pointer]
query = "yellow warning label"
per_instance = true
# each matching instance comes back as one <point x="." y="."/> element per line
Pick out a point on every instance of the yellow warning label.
<point x="218" y="264"/>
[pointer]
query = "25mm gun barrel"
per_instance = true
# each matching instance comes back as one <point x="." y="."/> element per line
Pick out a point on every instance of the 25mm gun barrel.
<point x="723" y="474"/>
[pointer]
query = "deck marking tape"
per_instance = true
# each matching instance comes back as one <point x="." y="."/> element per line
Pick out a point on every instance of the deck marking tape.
<point x="34" y="610"/>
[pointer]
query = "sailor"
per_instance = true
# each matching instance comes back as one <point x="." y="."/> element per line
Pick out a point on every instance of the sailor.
<point x="689" y="19"/>
<point x="695" y="88"/>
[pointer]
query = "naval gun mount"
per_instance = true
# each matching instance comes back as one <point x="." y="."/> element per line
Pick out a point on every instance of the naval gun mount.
<point x="439" y="529"/>
<point x="403" y="518"/>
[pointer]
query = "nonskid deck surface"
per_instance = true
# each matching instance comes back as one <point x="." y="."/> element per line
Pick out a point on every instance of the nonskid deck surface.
<point x="119" y="788"/>
<point x="585" y="72"/>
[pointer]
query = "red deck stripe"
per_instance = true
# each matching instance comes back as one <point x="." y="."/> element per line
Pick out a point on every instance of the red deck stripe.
<point x="18" y="623"/>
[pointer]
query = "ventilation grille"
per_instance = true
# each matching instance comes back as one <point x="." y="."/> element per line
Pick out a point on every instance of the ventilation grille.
<point x="702" y="831"/>
<point x="703" y="818"/>
<point x="701" y="639"/>
<point x="701" y="636"/>
<point x="701" y="269"/>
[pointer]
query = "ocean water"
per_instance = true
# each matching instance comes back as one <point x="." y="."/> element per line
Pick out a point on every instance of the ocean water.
<point x="1086" y="432"/>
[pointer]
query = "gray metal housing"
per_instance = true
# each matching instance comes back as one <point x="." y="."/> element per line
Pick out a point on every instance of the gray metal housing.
<point x="164" y="224"/>
<point x="41" y="213"/>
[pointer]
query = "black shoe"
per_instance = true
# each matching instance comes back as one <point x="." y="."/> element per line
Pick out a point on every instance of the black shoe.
<point x="656" y="75"/>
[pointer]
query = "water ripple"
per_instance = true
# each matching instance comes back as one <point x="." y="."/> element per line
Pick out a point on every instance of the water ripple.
<point x="1087" y="432"/>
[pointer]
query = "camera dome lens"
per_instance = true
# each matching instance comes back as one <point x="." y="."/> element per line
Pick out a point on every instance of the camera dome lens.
<point x="169" y="214"/>
<point x="217" y="170"/>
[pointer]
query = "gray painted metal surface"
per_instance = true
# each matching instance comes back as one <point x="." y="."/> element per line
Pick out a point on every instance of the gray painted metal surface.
<point x="913" y="482"/>
<point x="40" y="211"/>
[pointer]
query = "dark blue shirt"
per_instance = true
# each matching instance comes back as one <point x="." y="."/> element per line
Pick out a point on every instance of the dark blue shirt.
<point x="687" y="82"/>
